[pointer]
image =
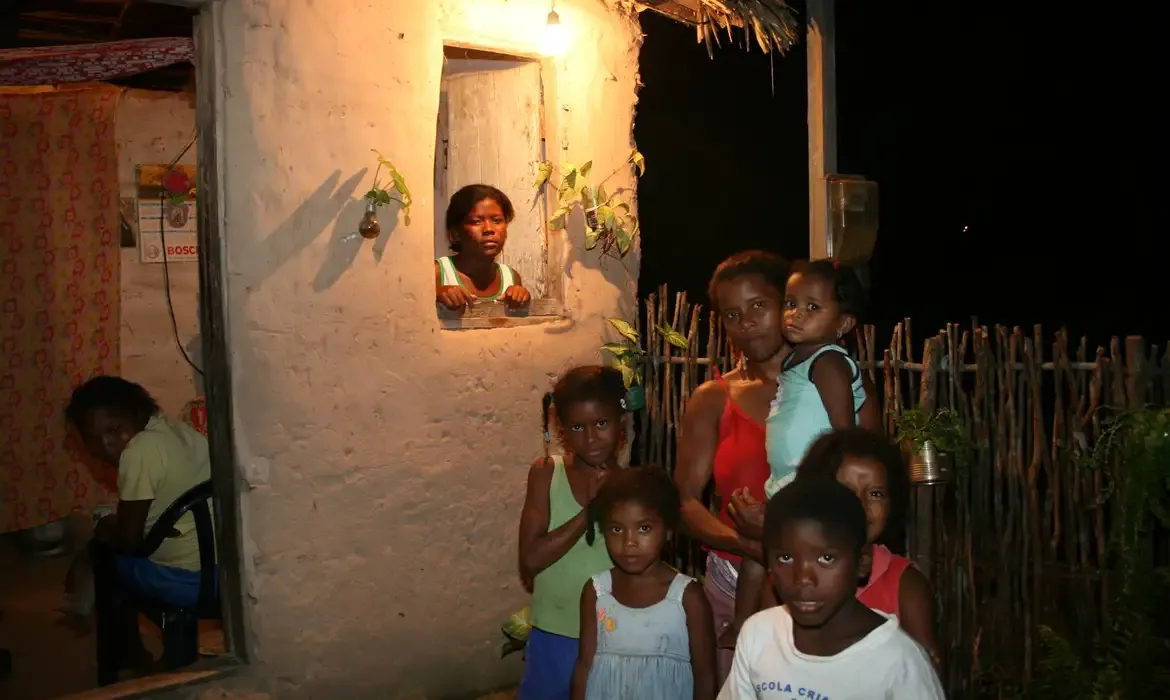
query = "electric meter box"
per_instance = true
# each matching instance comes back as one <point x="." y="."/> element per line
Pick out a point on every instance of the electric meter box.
<point x="853" y="218"/>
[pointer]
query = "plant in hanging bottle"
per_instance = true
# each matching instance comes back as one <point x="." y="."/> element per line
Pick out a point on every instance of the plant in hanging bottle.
<point x="609" y="221"/>
<point x="381" y="194"/>
<point x="628" y="357"/>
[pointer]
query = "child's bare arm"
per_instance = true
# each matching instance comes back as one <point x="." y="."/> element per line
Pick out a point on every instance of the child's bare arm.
<point x="701" y="631"/>
<point x="833" y="376"/>
<point x="587" y="645"/>
<point x="915" y="612"/>
<point x="749" y="589"/>
<point x="540" y="548"/>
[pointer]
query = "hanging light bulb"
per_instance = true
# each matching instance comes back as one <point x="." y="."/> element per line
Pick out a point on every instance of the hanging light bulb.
<point x="555" y="41"/>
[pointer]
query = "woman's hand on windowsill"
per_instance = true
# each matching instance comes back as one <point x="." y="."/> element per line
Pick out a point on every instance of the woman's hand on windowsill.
<point x="516" y="297"/>
<point x="454" y="297"/>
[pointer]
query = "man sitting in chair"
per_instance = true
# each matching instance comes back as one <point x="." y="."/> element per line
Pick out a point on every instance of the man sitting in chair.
<point x="158" y="460"/>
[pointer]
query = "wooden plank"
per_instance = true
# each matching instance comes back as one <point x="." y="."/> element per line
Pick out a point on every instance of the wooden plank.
<point x="821" y="83"/>
<point x="213" y="323"/>
<point x="498" y="315"/>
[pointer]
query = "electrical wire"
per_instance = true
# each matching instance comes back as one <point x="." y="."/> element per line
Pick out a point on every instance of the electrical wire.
<point x="162" y="234"/>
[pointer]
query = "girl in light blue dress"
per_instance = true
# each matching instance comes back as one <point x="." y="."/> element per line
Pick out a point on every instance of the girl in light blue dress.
<point x="819" y="390"/>
<point x="647" y="633"/>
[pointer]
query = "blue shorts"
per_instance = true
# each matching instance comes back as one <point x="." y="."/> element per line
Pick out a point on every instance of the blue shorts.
<point x="167" y="584"/>
<point x="548" y="666"/>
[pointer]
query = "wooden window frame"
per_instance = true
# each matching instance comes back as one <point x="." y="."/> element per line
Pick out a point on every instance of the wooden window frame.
<point x="551" y="307"/>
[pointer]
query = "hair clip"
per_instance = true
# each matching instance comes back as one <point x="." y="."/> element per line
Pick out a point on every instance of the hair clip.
<point x="547" y="437"/>
<point x="836" y="264"/>
<point x="623" y="403"/>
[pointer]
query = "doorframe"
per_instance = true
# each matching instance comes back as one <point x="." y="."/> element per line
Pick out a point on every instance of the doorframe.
<point x="214" y="329"/>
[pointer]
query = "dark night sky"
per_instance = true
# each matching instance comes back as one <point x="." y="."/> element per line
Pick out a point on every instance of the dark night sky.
<point x="1037" y="132"/>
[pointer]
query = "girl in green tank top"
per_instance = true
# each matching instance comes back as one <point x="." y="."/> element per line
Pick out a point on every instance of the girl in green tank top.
<point x="554" y="553"/>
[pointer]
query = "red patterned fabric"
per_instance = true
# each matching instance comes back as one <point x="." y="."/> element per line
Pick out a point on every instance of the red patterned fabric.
<point x="84" y="63"/>
<point x="59" y="292"/>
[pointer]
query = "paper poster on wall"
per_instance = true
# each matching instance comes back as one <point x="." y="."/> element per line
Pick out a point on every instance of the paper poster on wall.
<point x="166" y="212"/>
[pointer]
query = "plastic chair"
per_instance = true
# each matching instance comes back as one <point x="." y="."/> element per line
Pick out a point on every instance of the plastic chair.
<point x="179" y="625"/>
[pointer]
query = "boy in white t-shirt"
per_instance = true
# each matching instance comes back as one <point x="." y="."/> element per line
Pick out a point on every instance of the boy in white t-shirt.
<point x="823" y="644"/>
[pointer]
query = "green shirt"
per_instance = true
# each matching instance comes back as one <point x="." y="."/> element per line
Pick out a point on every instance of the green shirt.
<point x="556" y="591"/>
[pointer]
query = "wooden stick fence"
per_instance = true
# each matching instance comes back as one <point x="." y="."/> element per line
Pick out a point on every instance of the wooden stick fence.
<point x="1021" y="539"/>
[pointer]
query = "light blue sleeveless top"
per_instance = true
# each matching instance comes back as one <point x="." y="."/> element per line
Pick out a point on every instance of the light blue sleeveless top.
<point x="449" y="277"/>
<point x="798" y="417"/>
<point x="642" y="653"/>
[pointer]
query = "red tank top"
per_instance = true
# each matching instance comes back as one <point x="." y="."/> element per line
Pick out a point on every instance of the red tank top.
<point x="885" y="581"/>
<point x="741" y="459"/>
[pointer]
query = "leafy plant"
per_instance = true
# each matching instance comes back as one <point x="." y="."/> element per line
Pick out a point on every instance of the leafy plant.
<point x="516" y="629"/>
<point x="628" y="355"/>
<point x="380" y="193"/>
<point x="1132" y="455"/>
<point x="609" y="221"/>
<point x="943" y="428"/>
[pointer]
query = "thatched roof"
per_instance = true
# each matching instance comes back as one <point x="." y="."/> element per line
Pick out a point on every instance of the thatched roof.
<point x="771" y="23"/>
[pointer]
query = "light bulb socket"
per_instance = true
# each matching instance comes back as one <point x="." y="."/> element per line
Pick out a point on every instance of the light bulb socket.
<point x="553" y="18"/>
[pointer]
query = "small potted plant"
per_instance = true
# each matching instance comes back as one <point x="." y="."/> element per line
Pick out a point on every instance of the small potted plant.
<point x="609" y="219"/>
<point x="931" y="439"/>
<point x="628" y="357"/>
<point x="380" y="195"/>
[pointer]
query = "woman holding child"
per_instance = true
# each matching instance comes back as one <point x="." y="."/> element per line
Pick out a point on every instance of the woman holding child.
<point x="724" y="434"/>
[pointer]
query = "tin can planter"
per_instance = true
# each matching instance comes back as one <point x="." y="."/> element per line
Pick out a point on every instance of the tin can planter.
<point x="929" y="466"/>
<point x="635" y="399"/>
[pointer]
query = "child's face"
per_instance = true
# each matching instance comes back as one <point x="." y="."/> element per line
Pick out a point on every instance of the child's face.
<point x="811" y="311"/>
<point x="485" y="230"/>
<point x="105" y="434"/>
<point x="592" y="431"/>
<point x="634" y="535"/>
<point x="866" y="477"/>
<point x="750" y="308"/>
<point x="814" y="572"/>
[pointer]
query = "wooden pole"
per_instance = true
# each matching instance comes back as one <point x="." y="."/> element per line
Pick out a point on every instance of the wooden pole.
<point x="821" y="83"/>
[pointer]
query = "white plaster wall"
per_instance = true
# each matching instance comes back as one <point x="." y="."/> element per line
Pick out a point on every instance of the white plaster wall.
<point x="385" y="458"/>
<point x="152" y="128"/>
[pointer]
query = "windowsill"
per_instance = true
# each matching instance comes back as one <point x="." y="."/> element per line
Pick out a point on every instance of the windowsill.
<point x="493" y="314"/>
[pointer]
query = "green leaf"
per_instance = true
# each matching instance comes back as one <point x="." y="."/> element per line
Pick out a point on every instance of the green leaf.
<point x="605" y="216"/>
<point x="557" y="221"/>
<point x="628" y="332"/>
<point x="629" y="374"/>
<point x="584" y="170"/>
<point x="639" y="162"/>
<point x="543" y="172"/>
<point x="570" y="183"/>
<point x="601" y="196"/>
<point x="587" y="196"/>
<point x="610" y="220"/>
<point x="623" y="206"/>
<point x="400" y="185"/>
<point x="591" y="237"/>
<point x="673" y="337"/>
<point x="619" y="349"/>
<point x="623" y="239"/>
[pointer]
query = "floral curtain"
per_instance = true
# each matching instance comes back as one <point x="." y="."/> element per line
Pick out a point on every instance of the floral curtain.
<point x="59" y="292"/>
